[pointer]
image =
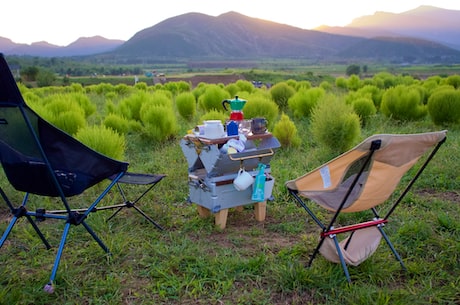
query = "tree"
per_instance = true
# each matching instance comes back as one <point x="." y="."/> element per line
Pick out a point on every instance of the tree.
<point x="30" y="73"/>
<point x="353" y="69"/>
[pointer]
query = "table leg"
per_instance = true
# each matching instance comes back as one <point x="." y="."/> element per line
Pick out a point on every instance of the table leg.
<point x="221" y="218"/>
<point x="260" y="210"/>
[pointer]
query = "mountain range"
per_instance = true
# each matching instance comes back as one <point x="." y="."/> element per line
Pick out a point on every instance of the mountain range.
<point x="426" y="34"/>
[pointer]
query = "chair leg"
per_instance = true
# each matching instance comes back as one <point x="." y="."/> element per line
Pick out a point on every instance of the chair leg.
<point x="8" y="230"/>
<point x="398" y="257"/>
<point x="96" y="238"/>
<point x="34" y="225"/>
<point x="39" y="233"/>
<point x="148" y="218"/>
<point x="49" y="288"/>
<point x="312" y="257"/>
<point x="342" y="261"/>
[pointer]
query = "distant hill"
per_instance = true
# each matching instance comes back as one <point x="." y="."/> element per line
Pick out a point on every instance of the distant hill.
<point x="230" y="36"/>
<point x="81" y="47"/>
<point x="425" y="22"/>
<point x="424" y="35"/>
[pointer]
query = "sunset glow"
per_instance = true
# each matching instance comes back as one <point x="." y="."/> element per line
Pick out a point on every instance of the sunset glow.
<point x="61" y="24"/>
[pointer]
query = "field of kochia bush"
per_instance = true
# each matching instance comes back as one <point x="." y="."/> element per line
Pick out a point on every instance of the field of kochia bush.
<point x="250" y="262"/>
<point x="101" y="115"/>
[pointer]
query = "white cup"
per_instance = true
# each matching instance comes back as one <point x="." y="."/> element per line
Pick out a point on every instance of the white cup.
<point x="243" y="180"/>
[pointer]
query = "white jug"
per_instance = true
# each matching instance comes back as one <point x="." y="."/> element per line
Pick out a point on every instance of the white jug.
<point x="213" y="129"/>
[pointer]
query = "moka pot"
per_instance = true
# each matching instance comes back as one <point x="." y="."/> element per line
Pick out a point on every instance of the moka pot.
<point x="236" y="107"/>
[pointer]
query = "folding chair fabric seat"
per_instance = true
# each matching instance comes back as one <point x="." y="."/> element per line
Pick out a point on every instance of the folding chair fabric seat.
<point x="360" y="180"/>
<point x="355" y="249"/>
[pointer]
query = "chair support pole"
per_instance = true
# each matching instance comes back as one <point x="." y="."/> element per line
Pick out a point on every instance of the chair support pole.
<point x="396" y="254"/>
<point x="59" y="252"/>
<point x="373" y="148"/>
<point x="342" y="260"/>
<point x="419" y="172"/>
<point x="313" y="216"/>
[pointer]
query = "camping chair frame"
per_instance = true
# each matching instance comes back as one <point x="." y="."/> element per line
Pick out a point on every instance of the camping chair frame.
<point x="330" y="231"/>
<point x="29" y="169"/>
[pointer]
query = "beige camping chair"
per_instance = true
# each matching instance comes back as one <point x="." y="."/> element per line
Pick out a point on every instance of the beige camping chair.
<point x="359" y="180"/>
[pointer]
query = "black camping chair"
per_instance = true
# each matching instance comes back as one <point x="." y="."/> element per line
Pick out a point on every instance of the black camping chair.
<point x="40" y="159"/>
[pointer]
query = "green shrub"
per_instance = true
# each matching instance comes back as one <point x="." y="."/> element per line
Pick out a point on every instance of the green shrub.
<point x="325" y="85"/>
<point x="454" y="81"/>
<point x="183" y="86"/>
<point x="304" y="84"/>
<point x="232" y="89"/>
<point x="102" y="88"/>
<point x="341" y="82"/>
<point x="286" y="132"/>
<point x="259" y="105"/>
<point x="85" y="103"/>
<point x="117" y="123"/>
<point x="159" y="121"/>
<point x="122" y="89"/>
<point x="444" y="106"/>
<point x="199" y="90"/>
<point x="245" y="86"/>
<point x="142" y="86"/>
<point x="335" y="125"/>
<point x="160" y="98"/>
<point x="130" y="106"/>
<point x="104" y="140"/>
<point x="212" y="97"/>
<point x="403" y="103"/>
<point x="364" y="108"/>
<point x="186" y="105"/>
<point x="64" y="112"/>
<point x="70" y="122"/>
<point x="213" y="115"/>
<point x="373" y="92"/>
<point x="302" y="102"/>
<point x="76" y="87"/>
<point x="353" y="82"/>
<point x="281" y="92"/>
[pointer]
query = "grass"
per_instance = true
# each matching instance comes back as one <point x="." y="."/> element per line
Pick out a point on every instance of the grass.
<point x="250" y="262"/>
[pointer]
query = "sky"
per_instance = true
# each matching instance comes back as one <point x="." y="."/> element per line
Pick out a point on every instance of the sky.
<point x="62" y="22"/>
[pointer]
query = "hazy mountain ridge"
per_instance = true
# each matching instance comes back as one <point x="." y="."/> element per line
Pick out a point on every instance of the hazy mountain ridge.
<point x="425" y="22"/>
<point x="80" y="47"/>
<point x="425" y="34"/>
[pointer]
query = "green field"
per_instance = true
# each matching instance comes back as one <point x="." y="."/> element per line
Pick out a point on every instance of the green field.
<point x="249" y="262"/>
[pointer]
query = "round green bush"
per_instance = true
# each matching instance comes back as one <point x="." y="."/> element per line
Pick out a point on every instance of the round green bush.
<point x="304" y="100"/>
<point x="444" y="106"/>
<point x="103" y="140"/>
<point x="213" y="115"/>
<point x="364" y="108"/>
<point x="159" y="121"/>
<point x="70" y="122"/>
<point x="259" y="105"/>
<point x="286" y="132"/>
<point x="335" y="125"/>
<point x="186" y="105"/>
<point x="117" y="123"/>
<point x="245" y="86"/>
<point x="212" y="97"/>
<point x="371" y="91"/>
<point x="403" y="103"/>
<point x="281" y="92"/>
<point x="130" y="106"/>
